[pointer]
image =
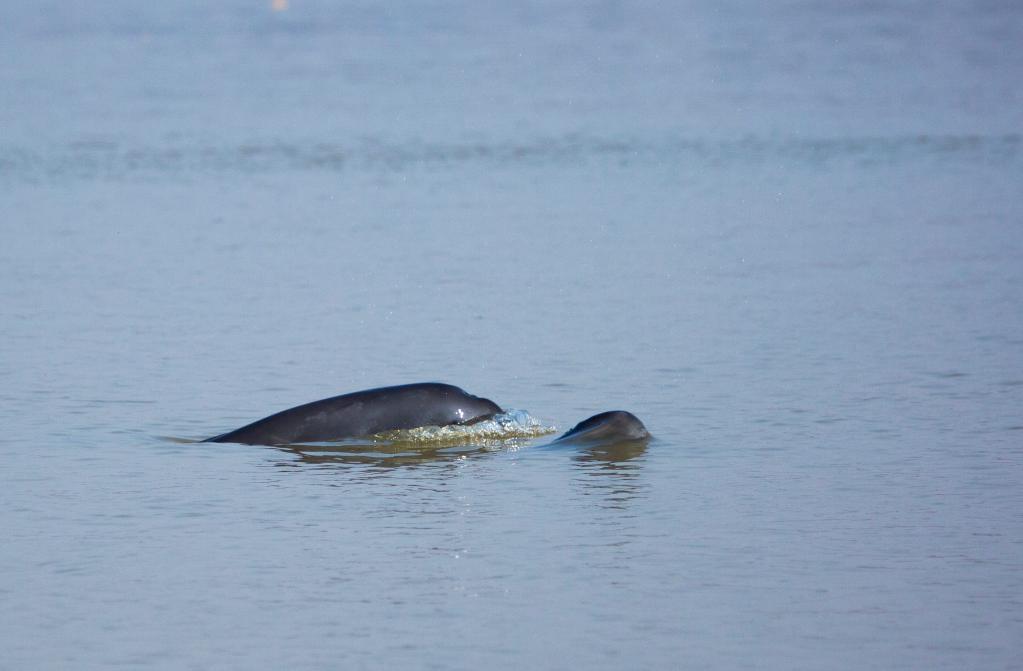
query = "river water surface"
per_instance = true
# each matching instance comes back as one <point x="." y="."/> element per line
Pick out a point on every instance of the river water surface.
<point x="786" y="236"/>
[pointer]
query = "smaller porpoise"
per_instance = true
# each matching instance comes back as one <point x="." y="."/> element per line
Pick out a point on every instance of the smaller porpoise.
<point x="365" y="413"/>
<point x="612" y="426"/>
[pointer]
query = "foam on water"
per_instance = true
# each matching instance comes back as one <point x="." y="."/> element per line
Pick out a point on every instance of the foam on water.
<point x="508" y="425"/>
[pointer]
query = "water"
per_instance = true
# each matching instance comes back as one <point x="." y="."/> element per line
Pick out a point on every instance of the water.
<point x="787" y="237"/>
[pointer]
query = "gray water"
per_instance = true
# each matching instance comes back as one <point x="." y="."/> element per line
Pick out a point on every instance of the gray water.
<point x="786" y="235"/>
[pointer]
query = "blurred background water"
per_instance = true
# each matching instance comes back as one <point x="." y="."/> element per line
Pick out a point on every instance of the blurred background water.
<point x="786" y="235"/>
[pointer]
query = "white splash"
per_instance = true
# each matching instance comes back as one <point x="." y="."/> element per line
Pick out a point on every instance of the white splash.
<point x="508" y="425"/>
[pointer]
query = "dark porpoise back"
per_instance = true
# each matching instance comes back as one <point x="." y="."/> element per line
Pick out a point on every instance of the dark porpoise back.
<point x="364" y="413"/>
<point x="607" y="427"/>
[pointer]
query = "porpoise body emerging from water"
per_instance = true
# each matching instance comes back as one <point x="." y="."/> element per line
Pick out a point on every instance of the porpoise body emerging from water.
<point x="365" y="413"/>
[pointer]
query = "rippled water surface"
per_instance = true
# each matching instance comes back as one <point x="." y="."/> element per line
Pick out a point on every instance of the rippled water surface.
<point x="787" y="237"/>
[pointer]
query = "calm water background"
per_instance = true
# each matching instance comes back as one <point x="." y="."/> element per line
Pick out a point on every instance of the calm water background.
<point x="786" y="235"/>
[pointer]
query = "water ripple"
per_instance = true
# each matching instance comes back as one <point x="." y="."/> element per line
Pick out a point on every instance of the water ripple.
<point x="100" y="159"/>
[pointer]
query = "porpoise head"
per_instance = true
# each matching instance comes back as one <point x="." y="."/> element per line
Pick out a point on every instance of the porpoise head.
<point x="611" y="426"/>
<point x="477" y="409"/>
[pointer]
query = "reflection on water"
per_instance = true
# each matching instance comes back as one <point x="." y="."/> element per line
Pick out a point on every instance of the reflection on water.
<point x="612" y="471"/>
<point x="382" y="455"/>
<point x="620" y="460"/>
<point x="609" y="471"/>
<point x="612" y="456"/>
